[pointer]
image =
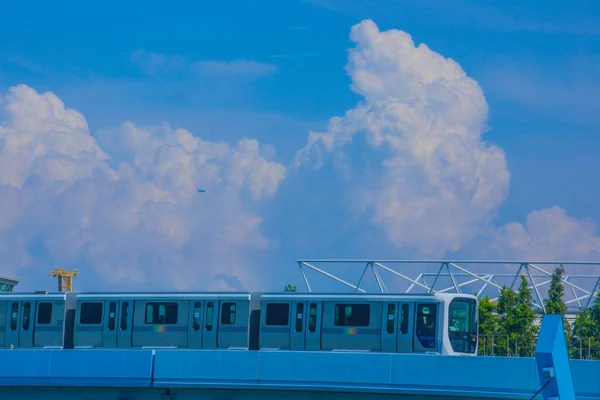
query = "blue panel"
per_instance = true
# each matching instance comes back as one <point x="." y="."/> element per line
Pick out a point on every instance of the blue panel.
<point x="586" y="378"/>
<point x="200" y="367"/>
<point x="324" y="367"/>
<point x="450" y="373"/>
<point x="24" y="367"/>
<point x="115" y="368"/>
<point x="104" y="367"/>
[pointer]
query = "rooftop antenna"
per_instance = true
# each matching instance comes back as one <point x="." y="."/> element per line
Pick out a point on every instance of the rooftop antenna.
<point x="65" y="278"/>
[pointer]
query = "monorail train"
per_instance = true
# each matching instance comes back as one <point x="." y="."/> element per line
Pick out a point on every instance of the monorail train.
<point x="403" y="323"/>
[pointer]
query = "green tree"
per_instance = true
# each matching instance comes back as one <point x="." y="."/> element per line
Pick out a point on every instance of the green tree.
<point x="525" y="316"/>
<point x="516" y="328"/>
<point x="586" y="332"/>
<point x="555" y="303"/>
<point x="290" y="288"/>
<point x="488" y="324"/>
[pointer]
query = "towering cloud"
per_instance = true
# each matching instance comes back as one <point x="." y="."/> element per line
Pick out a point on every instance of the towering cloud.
<point x="435" y="183"/>
<point x="124" y="204"/>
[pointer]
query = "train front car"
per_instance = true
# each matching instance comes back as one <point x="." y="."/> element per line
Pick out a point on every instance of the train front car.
<point x="393" y="323"/>
<point x="460" y="324"/>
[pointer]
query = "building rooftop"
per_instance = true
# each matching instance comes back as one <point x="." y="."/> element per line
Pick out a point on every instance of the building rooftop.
<point x="7" y="284"/>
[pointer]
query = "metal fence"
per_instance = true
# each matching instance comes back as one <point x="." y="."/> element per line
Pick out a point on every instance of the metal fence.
<point x="584" y="348"/>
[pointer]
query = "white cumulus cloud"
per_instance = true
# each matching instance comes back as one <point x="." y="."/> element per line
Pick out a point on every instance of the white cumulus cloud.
<point x="122" y="205"/>
<point x="437" y="181"/>
<point x="549" y="234"/>
<point x="414" y="151"/>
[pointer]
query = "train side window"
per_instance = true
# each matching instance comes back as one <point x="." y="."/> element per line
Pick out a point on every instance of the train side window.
<point x="299" y="315"/>
<point x="14" y="316"/>
<point x="91" y="313"/>
<point x="404" y="319"/>
<point x="426" y="324"/>
<point x="352" y="314"/>
<point x="228" y="313"/>
<point x="44" y="316"/>
<point x="124" y="314"/>
<point x="210" y="310"/>
<point x="162" y="313"/>
<point x="278" y="314"/>
<point x="391" y="313"/>
<point x="112" y="315"/>
<point x="312" y="317"/>
<point x="196" y="320"/>
<point x="26" y="316"/>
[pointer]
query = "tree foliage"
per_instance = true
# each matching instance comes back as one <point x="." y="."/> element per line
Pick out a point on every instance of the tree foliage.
<point x="289" y="288"/>
<point x="555" y="303"/>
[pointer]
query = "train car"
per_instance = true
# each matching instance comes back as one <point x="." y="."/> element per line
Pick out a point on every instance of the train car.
<point x="403" y="323"/>
<point x="162" y="320"/>
<point x="32" y="320"/>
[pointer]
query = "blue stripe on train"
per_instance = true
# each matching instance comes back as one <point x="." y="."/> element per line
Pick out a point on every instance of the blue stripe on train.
<point x="264" y="329"/>
<point x="48" y="328"/>
<point x="351" y="331"/>
<point x="161" y="328"/>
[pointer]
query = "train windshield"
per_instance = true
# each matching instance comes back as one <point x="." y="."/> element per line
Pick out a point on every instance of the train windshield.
<point x="462" y="325"/>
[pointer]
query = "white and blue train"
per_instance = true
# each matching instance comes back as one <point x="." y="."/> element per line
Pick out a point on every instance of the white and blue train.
<point x="403" y="323"/>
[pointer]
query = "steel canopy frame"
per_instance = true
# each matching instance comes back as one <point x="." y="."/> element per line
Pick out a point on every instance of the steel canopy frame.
<point x="457" y="272"/>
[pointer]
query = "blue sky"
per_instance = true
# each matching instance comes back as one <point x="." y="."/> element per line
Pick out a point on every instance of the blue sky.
<point x="272" y="71"/>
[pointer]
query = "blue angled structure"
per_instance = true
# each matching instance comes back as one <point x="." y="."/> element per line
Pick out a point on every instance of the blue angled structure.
<point x="552" y="359"/>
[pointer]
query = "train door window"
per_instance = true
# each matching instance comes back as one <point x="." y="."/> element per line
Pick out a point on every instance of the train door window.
<point x="26" y="316"/>
<point x="196" y="321"/>
<point x="462" y="325"/>
<point x="352" y="314"/>
<point x="299" y="315"/>
<point x="91" y="313"/>
<point x="228" y="313"/>
<point x="124" y="314"/>
<point x="112" y="315"/>
<point x="426" y="324"/>
<point x="14" y="316"/>
<point x="391" y="313"/>
<point x="278" y="314"/>
<point x="312" y="317"/>
<point x="210" y="310"/>
<point x="162" y="313"/>
<point x="44" y="316"/>
<point x="404" y="319"/>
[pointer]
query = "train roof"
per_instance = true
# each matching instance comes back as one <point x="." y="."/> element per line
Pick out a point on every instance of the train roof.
<point x="33" y="296"/>
<point x="346" y="296"/>
<point x="162" y="295"/>
<point x="360" y="296"/>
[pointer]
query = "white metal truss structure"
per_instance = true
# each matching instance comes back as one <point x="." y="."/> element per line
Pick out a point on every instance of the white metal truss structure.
<point x="480" y="277"/>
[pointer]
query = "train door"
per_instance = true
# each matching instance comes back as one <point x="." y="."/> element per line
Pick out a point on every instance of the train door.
<point x="195" y="324"/>
<point x="3" y="319"/>
<point x="426" y="321"/>
<point x="89" y="324"/>
<point x="125" y="322"/>
<point x="12" y="323"/>
<point x="298" y="326"/>
<point x="110" y="332"/>
<point x="49" y="324"/>
<point x="209" y="334"/>
<point x="27" y="326"/>
<point x="405" y="327"/>
<point x="313" y="322"/>
<point x="389" y="329"/>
